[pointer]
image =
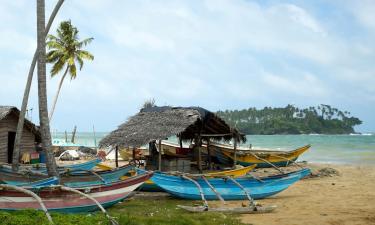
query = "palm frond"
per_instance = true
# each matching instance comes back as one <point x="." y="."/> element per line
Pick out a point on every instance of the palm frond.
<point x="73" y="71"/>
<point x="85" y="55"/>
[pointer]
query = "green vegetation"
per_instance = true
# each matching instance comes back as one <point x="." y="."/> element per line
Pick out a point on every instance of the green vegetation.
<point x="323" y="119"/>
<point x="131" y="212"/>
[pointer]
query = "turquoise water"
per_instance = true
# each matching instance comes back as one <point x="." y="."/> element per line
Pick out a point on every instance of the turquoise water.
<point x="352" y="149"/>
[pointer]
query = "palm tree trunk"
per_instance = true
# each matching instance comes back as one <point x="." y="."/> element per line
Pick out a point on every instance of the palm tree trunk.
<point x="42" y="91"/>
<point x="21" y="119"/>
<point x="57" y="93"/>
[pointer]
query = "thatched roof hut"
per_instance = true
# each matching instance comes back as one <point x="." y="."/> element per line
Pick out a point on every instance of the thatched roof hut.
<point x="157" y="123"/>
<point x="8" y="125"/>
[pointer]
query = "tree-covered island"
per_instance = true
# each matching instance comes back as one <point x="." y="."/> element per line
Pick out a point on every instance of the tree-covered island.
<point x="323" y="119"/>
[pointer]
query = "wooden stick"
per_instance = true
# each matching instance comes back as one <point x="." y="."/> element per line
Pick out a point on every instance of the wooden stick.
<point x="159" y="156"/>
<point x="200" y="191"/>
<point x="214" y="190"/>
<point x="111" y="219"/>
<point x="209" y="154"/>
<point x="116" y="156"/>
<point x="252" y="204"/>
<point x="277" y="168"/>
<point x="291" y="161"/>
<point x="235" y="153"/>
<point x="32" y="194"/>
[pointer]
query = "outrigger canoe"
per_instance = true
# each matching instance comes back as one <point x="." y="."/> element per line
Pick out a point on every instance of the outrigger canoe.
<point x="57" y="199"/>
<point x="71" y="180"/>
<point x="41" y="167"/>
<point x="257" y="188"/>
<point x="149" y="185"/>
<point x="262" y="158"/>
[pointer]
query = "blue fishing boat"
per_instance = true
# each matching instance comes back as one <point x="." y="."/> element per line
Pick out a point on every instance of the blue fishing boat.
<point x="41" y="167"/>
<point x="40" y="183"/>
<point x="258" y="188"/>
<point x="71" y="180"/>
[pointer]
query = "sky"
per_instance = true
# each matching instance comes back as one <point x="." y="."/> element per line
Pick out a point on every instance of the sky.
<point x="217" y="54"/>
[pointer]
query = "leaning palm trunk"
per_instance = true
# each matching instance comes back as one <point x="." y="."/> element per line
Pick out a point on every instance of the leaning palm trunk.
<point x="21" y="119"/>
<point x="42" y="90"/>
<point x="57" y="94"/>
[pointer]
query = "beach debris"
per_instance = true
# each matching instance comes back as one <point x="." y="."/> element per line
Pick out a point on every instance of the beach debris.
<point x="326" y="172"/>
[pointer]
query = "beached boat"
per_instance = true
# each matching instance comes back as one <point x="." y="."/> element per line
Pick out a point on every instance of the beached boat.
<point x="59" y="200"/>
<point x="257" y="188"/>
<point x="41" y="167"/>
<point x="88" y="178"/>
<point x="39" y="183"/>
<point x="263" y="158"/>
<point x="149" y="185"/>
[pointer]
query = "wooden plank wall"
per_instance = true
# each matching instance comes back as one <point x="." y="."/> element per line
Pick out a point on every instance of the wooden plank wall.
<point x="10" y="125"/>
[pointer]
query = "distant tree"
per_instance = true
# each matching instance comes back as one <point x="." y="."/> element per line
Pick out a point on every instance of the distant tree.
<point x="149" y="103"/>
<point x="65" y="51"/>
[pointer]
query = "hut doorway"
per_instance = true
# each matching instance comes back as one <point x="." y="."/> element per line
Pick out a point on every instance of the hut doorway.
<point x="11" y="139"/>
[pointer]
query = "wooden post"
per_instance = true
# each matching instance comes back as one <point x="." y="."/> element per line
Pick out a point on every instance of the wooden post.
<point x="74" y="133"/>
<point x="180" y="141"/>
<point x="159" y="159"/>
<point x="235" y="153"/>
<point x="66" y="137"/>
<point x="93" y="129"/>
<point x="197" y="145"/>
<point x="133" y="153"/>
<point x="116" y="156"/>
<point x="209" y="153"/>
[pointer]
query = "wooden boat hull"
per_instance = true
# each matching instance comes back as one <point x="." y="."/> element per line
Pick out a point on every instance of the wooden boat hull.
<point x="41" y="167"/>
<point x="269" y="186"/>
<point x="150" y="186"/>
<point x="74" y="180"/>
<point x="57" y="200"/>
<point x="278" y="158"/>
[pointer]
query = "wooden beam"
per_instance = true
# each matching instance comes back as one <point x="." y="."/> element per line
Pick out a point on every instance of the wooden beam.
<point x="159" y="159"/>
<point x="235" y="152"/>
<point x="209" y="153"/>
<point x="116" y="156"/>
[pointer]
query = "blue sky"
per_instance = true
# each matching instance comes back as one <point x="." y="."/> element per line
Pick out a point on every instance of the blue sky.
<point x="216" y="54"/>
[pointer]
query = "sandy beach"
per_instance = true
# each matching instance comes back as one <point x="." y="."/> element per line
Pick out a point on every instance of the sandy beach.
<point x="335" y="200"/>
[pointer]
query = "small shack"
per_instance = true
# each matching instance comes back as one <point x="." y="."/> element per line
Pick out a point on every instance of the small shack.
<point x="8" y="126"/>
<point x="190" y="124"/>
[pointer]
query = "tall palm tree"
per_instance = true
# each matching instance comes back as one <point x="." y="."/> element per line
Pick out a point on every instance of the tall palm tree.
<point x="65" y="52"/>
<point x="42" y="90"/>
<point x="21" y="119"/>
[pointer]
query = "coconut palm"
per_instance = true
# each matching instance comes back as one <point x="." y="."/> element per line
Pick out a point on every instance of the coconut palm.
<point x="65" y="51"/>
<point x="42" y="90"/>
<point x="21" y="120"/>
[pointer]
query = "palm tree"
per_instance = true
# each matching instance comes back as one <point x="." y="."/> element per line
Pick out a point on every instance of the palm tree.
<point x="42" y="90"/>
<point x="21" y="119"/>
<point x="65" y="52"/>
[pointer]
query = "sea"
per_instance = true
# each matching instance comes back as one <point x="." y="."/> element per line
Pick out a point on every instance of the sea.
<point x="337" y="149"/>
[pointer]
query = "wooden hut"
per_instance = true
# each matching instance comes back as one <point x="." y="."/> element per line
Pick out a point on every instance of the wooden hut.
<point x="152" y="124"/>
<point x="8" y="127"/>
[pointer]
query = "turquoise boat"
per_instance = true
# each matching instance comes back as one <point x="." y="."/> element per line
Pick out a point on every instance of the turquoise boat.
<point x="41" y="167"/>
<point x="258" y="189"/>
<point x="40" y="183"/>
<point x="71" y="180"/>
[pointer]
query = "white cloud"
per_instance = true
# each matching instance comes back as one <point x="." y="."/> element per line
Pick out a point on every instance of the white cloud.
<point x="212" y="53"/>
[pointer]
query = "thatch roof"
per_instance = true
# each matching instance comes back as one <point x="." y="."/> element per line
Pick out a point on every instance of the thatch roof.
<point x="156" y="123"/>
<point x="6" y="111"/>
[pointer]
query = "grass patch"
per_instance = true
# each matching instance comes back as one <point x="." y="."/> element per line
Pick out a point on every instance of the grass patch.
<point x="131" y="212"/>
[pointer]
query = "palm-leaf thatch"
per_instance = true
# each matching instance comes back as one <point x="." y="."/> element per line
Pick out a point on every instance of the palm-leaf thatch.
<point x="155" y="123"/>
